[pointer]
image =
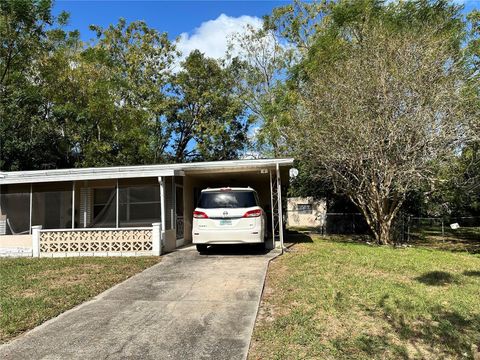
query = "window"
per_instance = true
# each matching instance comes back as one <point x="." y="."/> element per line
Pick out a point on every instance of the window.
<point x="139" y="205"/>
<point x="304" y="208"/>
<point x="227" y="199"/>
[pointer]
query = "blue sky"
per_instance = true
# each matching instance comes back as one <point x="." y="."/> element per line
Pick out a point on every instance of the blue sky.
<point x="174" y="17"/>
<point x="205" y="25"/>
<point x="201" y="24"/>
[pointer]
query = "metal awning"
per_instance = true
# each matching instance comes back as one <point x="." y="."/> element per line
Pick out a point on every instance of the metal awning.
<point x="140" y="171"/>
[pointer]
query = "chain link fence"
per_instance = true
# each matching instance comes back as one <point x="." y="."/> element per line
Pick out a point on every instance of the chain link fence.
<point x="344" y="224"/>
<point x="445" y="229"/>
<point x="406" y="229"/>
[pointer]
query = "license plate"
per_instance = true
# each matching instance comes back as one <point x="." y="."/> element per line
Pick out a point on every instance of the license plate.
<point x="225" y="222"/>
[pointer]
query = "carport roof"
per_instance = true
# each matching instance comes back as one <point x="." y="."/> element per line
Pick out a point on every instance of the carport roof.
<point x="124" y="172"/>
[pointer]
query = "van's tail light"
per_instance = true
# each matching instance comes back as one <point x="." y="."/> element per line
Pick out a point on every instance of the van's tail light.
<point x="253" y="213"/>
<point x="200" y="215"/>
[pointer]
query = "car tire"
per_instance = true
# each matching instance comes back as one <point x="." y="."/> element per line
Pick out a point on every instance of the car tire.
<point x="201" y="248"/>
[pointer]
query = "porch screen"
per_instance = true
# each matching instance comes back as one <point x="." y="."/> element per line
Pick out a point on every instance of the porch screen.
<point x="15" y="209"/>
<point x="139" y="205"/>
<point x="52" y="205"/>
<point x="104" y="207"/>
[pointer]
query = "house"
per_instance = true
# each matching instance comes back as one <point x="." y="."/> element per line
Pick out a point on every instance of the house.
<point x="127" y="210"/>
<point x="306" y="212"/>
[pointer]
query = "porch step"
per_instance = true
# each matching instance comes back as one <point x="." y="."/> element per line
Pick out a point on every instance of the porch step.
<point x="15" y="252"/>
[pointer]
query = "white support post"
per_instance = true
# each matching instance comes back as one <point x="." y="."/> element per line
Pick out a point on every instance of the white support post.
<point x="73" y="204"/>
<point x="157" y="239"/>
<point x="31" y="205"/>
<point x="117" y="205"/>
<point x="280" y="214"/>
<point x="173" y="210"/>
<point x="161" y="180"/>
<point x="272" y="209"/>
<point x="84" y="196"/>
<point x="36" y="240"/>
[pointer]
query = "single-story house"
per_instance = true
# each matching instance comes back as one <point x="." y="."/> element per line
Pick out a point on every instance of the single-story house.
<point x="125" y="210"/>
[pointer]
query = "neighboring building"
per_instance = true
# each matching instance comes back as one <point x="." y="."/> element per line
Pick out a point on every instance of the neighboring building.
<point x="306" y="212"/>
<point x="121" y="210"/>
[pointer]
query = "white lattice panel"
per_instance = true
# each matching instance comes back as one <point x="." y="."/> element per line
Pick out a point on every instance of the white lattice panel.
<point x="96" y="241"/>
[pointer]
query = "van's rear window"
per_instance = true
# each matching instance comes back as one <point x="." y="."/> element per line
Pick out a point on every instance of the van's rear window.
<point x="227" y="199"/>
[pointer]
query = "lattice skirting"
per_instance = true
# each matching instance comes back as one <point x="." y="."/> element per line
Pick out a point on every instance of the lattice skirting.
<point x="96" y="242"/>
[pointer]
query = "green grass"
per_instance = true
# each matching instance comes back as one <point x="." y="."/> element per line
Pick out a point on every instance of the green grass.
<point x="35" y="290"/>
<point x="462" y="239"/>
<point x="335" y="299"/>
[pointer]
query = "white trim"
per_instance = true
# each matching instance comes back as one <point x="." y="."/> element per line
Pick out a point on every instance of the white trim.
<point x="161" y="180"/>
<point x="280" y="212"/>
<point x="99" y="229"/>
<point x="123" y="172"/>
<point x="271" y="207"/>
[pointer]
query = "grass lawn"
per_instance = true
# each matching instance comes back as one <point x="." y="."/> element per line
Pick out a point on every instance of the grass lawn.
<point x="462" y="239"/>
<point x="35" y="290"/>
<point x="337" y="299"/>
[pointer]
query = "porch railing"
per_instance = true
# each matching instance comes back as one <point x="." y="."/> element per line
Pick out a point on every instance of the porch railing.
<point x="97" y="241"/>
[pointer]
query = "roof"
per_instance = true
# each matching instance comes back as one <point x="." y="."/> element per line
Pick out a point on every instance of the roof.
<point x="139" y="171"/>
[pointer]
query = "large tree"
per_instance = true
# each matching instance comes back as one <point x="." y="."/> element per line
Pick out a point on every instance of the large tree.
<point x="262" y="64"/>
<point x="29" y="35"/>
<point x="381" y="103"/>
<point x="112" y="113"/>
<point x="207" y="119"/>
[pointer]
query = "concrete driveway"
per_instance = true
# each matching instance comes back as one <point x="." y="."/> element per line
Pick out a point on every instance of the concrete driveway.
<point x="189" y="306"/>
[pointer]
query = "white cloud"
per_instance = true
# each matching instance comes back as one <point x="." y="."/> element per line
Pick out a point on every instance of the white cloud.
<point x="212" y="36"/>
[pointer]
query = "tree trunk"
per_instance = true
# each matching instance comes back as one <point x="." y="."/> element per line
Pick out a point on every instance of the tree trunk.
<point x="379" y="217"/>
<point x="384" y="232"/>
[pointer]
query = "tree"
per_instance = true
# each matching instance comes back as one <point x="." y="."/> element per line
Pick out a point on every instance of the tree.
<point x="110" y="96"/>
<point x="29" y="35"/>
<point x="263" y="63"/>
<point x="207" y="119"/>
<point x="381" y="104"/>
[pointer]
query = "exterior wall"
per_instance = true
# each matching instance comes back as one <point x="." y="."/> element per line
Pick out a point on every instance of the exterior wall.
<point x="170" y="240"/>
<point x="299" y="218"/>
<point x="16" y="246"/>
<point x="169" y="203"/>
<point x="15" y="241"/>
<point x="189" y="184"/>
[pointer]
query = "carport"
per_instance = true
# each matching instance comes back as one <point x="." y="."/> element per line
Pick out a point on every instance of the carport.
<point x="268" y="177"/>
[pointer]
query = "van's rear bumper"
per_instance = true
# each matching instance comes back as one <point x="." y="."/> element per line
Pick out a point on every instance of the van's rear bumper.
<point x="250" y="236"/>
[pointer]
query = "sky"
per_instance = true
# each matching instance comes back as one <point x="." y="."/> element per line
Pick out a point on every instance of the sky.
<point x="203" y="25"/>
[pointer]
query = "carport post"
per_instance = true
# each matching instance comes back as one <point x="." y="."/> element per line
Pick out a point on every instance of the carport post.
<point x="273" y="210"/>
<point x="161" y="180"/>
<point x="279" y="204"/>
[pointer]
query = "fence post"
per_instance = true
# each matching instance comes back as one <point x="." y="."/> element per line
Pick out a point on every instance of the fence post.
<point x="36" y="240"/>
<point x="157" y="239"/>
<point x="408" y="228"/>
<point x="443" y="230"/>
